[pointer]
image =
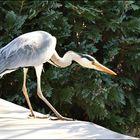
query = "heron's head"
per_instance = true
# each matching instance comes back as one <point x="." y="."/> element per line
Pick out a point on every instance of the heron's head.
<point x="90" y="62"/>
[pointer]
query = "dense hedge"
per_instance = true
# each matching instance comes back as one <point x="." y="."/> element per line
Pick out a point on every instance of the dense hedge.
<point x="109" y="31"/>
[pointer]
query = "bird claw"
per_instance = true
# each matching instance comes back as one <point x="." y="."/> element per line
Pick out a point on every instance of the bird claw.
<point x="61" y="118"/>
<point x="38" y="117"/>
<point x="51" y="118"/>
<point x="31" y="116"/>
<point x="42" y="117"/>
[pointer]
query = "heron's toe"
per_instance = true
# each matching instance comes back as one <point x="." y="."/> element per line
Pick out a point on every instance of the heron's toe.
<point x="61" y="118"/>
<point x="31" y="116"/>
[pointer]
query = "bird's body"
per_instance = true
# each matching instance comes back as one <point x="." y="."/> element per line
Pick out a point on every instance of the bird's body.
<point x="27" y="50"/>
<point x="33" y="50"/>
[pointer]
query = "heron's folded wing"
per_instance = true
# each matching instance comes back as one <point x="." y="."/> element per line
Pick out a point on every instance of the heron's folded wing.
<point x="13" y="56"/>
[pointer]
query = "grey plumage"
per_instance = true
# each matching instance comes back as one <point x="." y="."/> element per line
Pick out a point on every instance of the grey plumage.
<point x="27" y="50"/>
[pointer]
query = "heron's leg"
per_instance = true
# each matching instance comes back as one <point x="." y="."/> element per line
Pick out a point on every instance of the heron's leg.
<point x="24" y="89"/>
<point x="39" y="93"/>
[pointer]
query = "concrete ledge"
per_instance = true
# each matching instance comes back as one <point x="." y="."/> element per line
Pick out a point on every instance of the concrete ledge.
<point x="15" y="124"/>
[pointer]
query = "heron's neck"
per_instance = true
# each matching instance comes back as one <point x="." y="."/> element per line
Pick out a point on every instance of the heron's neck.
<point x="66" y="60"/>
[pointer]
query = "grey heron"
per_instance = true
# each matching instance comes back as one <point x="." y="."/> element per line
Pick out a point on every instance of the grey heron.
<point x="35" y="48"/>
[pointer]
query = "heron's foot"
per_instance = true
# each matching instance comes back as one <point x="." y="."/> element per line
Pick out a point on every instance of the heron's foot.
<point x="61" y="118"/>
<point x="42" y="117"/>
<point x="38" y="117"/>
<point x="31" y="116"/>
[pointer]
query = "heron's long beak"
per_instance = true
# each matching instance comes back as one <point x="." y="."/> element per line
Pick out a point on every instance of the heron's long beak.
<point x="100" y="67"/>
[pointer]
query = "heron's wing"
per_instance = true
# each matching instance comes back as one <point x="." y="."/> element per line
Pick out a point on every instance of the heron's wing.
<point x="12" y="47"/>
<point x="26" y="50"/>
<point x="16" y="54"/>
<point x="7" y="51"/>
<point x="34" y="39"/>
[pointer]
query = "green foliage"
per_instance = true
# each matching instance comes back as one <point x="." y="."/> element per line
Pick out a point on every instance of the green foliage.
<point x="107" y="30"/>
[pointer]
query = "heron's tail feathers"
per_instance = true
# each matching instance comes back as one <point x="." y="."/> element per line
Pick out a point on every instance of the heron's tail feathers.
<point x="5" y="72"/>
<point x="3" y="66"/>
<point x="4" y="69"/>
